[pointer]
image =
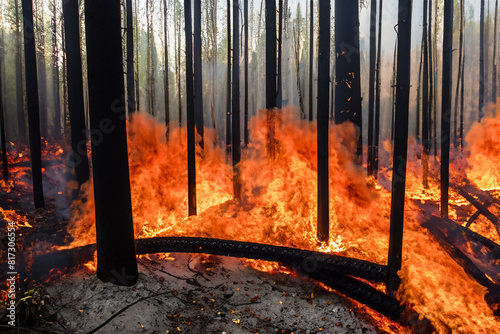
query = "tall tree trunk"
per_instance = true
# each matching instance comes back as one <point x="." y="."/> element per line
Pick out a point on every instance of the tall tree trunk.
<point x="430" y="45"/>
<point x="137" y="62"/>
<point x="371" y="85"/>
<point x="116" y="261"/>
<point x="21" y="119"/>
<point x="425" y="101"/>
<point x="400" y="146"/>
<point x="297" y="34"/>
<point x="347" y="68"/>
<point x="33" y="106"/>
<point x="446" y="104"/>
<point x="245" y="128"/>
<point x="481" y="63"/>
<point x="177" y="11"/>
<point x="236" y="102"/>
<point x="55" y="76"/>
<point x="166" y="93"/>
<point x="198" y="80"/>
<point x="377" y="94"/>
<point x="42" y="70"/>
<point x="419" y="95"/>
<point x="279" y="96"/>
<point x="393" y="85"/>
<point x="494" y="62"/>
<point x="228" y="91"/>
<point x="311" y="56"/>
<point x="75" y="91"/>
<point x="323" y="232"/>
<point x="435" y="81"/>
<point x="270" y="54"/>
<point x="130" y="59"/>
<point x="149" y="56"/>
<point x="459" y="76"/>
<point x="65" y="81"/>
<point x="5" y="167"/>
<point x="190" y="110"/>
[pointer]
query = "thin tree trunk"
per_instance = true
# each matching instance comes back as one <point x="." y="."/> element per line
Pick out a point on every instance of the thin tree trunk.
<point x="21" y="119"/>
<point x="75" y="91"/>
<point x="270" y="54"/>
<point x="190" y="110"/>
<point x="149" y="55"/>
<point x="446" y="104"/>
<point x="279" y="96"/>
<point x="228" y="91"/>
<point x="459" y="76"/>
<point x="198" y="80"/>
<point x="236" y="102"/>
<point x="130" y="59"/>
<point x="377" y="94"/>
<point x="311" y="56"/>
<point x="425" y="101"/>
<point x="461" y="134"/>
<point x="296" y="33"/>
<point x="323" y="232"/>
<point x="137" y="67"/>
<point x="481" y="63"/>
<point x="400" y="146"/>
<point x="430" y="45"/>
<point x="5" y="166"/>
<point x="495" y="69"/>
<point x="435" y="81"/>
<point x="393" y="85"/>
<point x="55" y="76"/>
<point x="165" y="71"/>
<point x="65" y="81"/>
<point x="371" y="85"/>
<point x="116" y="261"/>
<point x="33" y="106"/>
<point x="419" y="95"/>
<point x="42" y="70"/>
<point x="245" y="129"/>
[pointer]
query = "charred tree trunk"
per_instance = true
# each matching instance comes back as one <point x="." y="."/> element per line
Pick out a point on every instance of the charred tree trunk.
<point x="228" y="91"/>
<point x="311" y="56"/>
<point x="495" y="69"/>
<point x="33" y="106"/>
<point x="42" y="71"/>
<point x="371" y="85"/>
<point x="377" y="95"/>
<point x="481" y="63"/>
<point x="55" y="76"/>
<point x="446" y="104"/>
<point x="461" y="131"/>
<point x="419" y="95"/>
<point x="75" y="91"/>
<point x="130" y="59"/>
<point x="166" y="92"/>
<point x="245" y="126"/>
<point x="393" y="85"/>
<point x="400" y="145"/>
<point x="198" y="86"/>
<point x="137" y="46"/>
<point x="431" y="78"/>
<point x="116" y="262"/>
<point x="236" y="102"/>
<point x="347" y="68"/>
<point x="459" y="76"/>
<point x="270" y="54"/>
<point x="21" y="119"/>
<point x="5" y="166"/>
<point x="279" y="97"/>
<point x="425" y="102"/>
<point x="296" y="33"/>
<point x="190" y="110"/>
<point x="323" y="121"/>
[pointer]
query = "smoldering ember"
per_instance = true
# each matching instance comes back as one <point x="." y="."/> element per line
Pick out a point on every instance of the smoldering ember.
<point x="242" y="166"/>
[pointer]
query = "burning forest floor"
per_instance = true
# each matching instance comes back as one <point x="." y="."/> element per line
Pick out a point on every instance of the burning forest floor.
<point x="450" y="274"/>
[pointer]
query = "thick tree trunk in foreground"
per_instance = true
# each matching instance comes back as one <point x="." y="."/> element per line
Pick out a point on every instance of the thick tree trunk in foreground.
<point x="323" y="121"/>
<point x="400" y="145"/>
<point x="75" y="91"/>
<point x="33" y="105"/>
<point x="116" y="261"/>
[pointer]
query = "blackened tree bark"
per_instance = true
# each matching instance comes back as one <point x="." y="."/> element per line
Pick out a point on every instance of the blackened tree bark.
<point x="425" y="101"/>
<point x="228" y="91"/>
<point x="311" y="56"/>
<point x="430" y="45"/>
<point x="75" y="91"/>
<point x="446" y="104"/>
<point x="198" y="86"/>
<point x="323" y="120"/>
<point x="130" y="59"/>
<point x="270" y="54"/>
<point x="236" y="101"/>
<point x="347" y="68"/>
<point x="166" y="92"/>
<point x="33" y="105"/>
<point x="371" y="85"/>
<point x="5" y="166"/>
<point x="297" y="35"/>
<point x="190" y="110"/>
<point x="55" y="75"/>
<point x="419" y="95"/>
<point x="494" y="61"/>
<point x="279" y="97"/>
<point x="459" y="76"/>
<point x="137" y="47"/>
<point x="42" y="71"/>
<point x="21" y="119"/>
<point x="245" y="126"/>
<point x="481" y="63"/>
<point x="116" y="261"/>
<point x="400" y="145"/>
<point x="377" y="94"/>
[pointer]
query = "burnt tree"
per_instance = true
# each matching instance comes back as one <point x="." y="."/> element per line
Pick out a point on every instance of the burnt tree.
<point x="279" y="96"/>
<point x="55" y="74"/>
<point x="5" y="167"/>
<point x="130" y="59"/>
<point x="166" y="93"/>
<point x="459" y="76"/>
<point x="270" y="54"/>
<point x="75" y="99"/>
<point x="236" y="150"/>
<point x="400" y="145"/>
<point x="198" y="86"/>
<point x="323" y="120"/>
<point x="228" y="83"/>
<point x="494" y="61"/>
<point x="347" y="68"/>
<point x="426" y="139"/>
<point x="245" y="54"/>
<point x="481" y="63"/>
<point x="21" y="119"/>
<point x="446" y="104"/>
<point x="311" y="56"/>
<point x="116" y="261"/>
<point x="190" y="110"/>
<point x="371" y="85"/>
<point x="376" y="129"/>
<point x="33" y="105"/>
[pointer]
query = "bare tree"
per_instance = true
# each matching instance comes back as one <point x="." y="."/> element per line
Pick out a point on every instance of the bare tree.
<point x="236" y="150"/>
<point x="297" y="36"/>
<point x="55" y="74"/>
<point x="21" y="119"/>
<point x="5" y="167"/>
<point x="198" y="80"/>
<point x="311" y="57"/>
<point x="165" y="69"/>
<point x="481" y="63"/>
<point x="131" y="107"/>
